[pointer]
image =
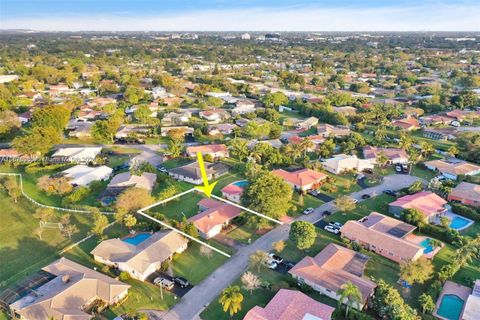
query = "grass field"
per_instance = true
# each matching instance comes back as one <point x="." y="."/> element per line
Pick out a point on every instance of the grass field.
<point x="22" y="252"/>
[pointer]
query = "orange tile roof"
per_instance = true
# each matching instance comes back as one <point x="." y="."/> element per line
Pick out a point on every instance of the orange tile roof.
<point x="303" y="177"/>
<point x="334" y="266"/>
<point x="208" y="148"/>
<point x="466" y="191"/>
<point x="427" y="202"/>
<point x="458" y="168"/>
<point x="290" y="305"/>
<point x="407" y="123"/>
<point x="217" y="214"/>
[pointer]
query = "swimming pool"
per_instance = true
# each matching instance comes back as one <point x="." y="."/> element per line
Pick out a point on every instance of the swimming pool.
<point x="458" y="223"/>
<point x="241" y="183"/>
<point x="137" y="239"/>
<point x="450" y="307"/>
<point x="427" y="246"/>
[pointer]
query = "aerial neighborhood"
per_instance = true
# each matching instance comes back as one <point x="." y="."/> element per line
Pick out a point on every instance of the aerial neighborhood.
<point x="257" y="176"/>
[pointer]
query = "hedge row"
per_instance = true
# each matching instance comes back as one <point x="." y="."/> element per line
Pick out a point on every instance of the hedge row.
<point x="466" y="211"/>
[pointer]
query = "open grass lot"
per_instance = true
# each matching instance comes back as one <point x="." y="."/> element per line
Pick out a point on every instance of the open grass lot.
<point x="195" y="267"/>
<point x="22" y="252"/>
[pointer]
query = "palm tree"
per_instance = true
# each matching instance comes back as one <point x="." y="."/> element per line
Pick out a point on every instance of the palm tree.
<point x="239" y="148"/>
<point x="427" y="148"/>
<point x="380" y="135"/>
<point x="231" y="299"/>
<point x="405" y="142"/>
<point x="350" y="294"/>
<point x="306" y="145"/>
<point x="427" y="303"/>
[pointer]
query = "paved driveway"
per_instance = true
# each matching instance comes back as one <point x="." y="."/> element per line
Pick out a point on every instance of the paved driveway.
<point x="193" y="303"/>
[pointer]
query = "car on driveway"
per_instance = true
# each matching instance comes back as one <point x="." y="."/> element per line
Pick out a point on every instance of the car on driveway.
<point x="354" y="200"/>
<point x="182" y="282"/>
<point x="308" y="211"/>
<point x="366" y="196"/>
<point x="164" y="283"/>
<point x="337" y="225"/>
<point x="272" y="265"/>
<point x="398" y="168"/>
<point x="331" y="229"/>
<point x="162" y="169"/>
<point x="326" y="213"/>
<point x="390" y="193"/>
<point x="313" y="192"/>
<point x="275" y="258"/>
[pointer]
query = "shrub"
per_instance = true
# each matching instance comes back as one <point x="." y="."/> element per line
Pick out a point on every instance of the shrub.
<point x="124" y="276"/>
<point x="466" y="211"/>
<point x="57" y="186"/>
<point x="77" y="195"/>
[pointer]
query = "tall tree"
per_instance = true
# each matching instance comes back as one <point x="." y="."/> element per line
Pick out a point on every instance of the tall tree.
<point x="350" y="295"/>
<point x="250" y="281"/>
<point x="258" y="259"/>
<point x="417" y="271"/>
<point x="302" y="234"/>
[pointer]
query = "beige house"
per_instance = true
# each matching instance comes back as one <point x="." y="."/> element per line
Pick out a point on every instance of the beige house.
<point x="127" y="180"/>
<point x="343" y="163"/>
<point x="72" y="290"/>
<point x="333" y="267"/>
<point x="140" y="259"/>
<point x="384" y="235"/>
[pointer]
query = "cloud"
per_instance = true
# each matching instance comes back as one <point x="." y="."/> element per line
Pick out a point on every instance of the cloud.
<point x="431" y="17"/>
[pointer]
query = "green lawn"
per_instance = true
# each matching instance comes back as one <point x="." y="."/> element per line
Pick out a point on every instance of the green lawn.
<point x="243" y="233"/>
<point x="195" y="267"/>
<point x="345" y="184"/>
<point x="22" y="252"/>
<point x="423" y="173"/>
<point x="185" y="205"/>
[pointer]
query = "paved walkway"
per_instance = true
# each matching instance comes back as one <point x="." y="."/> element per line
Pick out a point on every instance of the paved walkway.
<point x="193" y="303"/>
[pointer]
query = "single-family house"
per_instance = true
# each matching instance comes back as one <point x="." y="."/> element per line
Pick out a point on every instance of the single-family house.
<point x="101" y="102"/>
<point x="275" y="143"/>
<point x="213" y="217"/>
<point x="140" y="258"/>
<point x="191" y="172"/>
<point x="466" y="193"/>
<point x="82" y="175"/>
<point x="307" y="123"/>
<point x="393" y="155"/>
<point x="214" y="115"/>
<point x="72" y="289"/>
<point x="176" y="118"/>
<point x="126" y="180"/>
<point x="131" y="130"/>
<point x="385" y="236"/>
<point x="331" y="268"/>
<point x="79" y="129"/>
<point x="243" y="106"/>
<point x="407" y="124"/>
<point x="471" y="309"/>
<point x="291" y="305"/>
<point x="303" y="179"/>
<point x="76" y="154"/>
<point x="343" y="163"/>
<point x="440" y="133"/>
<point x="187" y="131"/>
<point x="431" y="205"/>
<point x="214" y="150"/>
<point x="452" y="168"/>
<point x="221" y="128"/>
<point x="327" y="130"/>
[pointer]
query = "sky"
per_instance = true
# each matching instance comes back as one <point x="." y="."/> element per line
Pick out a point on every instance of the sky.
<point x="240" y="15"/>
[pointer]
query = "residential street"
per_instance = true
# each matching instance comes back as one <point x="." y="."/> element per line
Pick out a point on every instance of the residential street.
<point x="204" y="293"/>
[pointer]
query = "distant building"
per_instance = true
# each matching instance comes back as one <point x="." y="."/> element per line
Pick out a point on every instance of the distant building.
<point x="245" y="36"/>
<point x="304" y="179"/>
<point x="191" y="172"/>
<point x="327" y="130"/>
<point x="466" y="193"/>
<point x="216" y="151"/>
<point x="76" y="155"/>
<point x="452" y="168"/>
<point x="407" y="124"/>
<point x="393" y="155"/>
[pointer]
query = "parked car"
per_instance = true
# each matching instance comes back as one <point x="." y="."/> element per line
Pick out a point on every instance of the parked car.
<point x="275" y="258"/>
<point x="331" y="229"/>
<point x="398" y="168"/>
<point x="390" y="192"/>
<point x="337" y="225"/>
<point x="121" y="167"/>
<point x="289" y="264"/>
<point x="272" y="265"/>
<point x="164" y="283"/>
<point x="182" y="282"/>
<point x="326" y="213"/>
<point x="308" y="211"/>
<point x="405" y="168"/>
<point x="313" y="192"/>
<point x="354" y="200"/>
<point x="162" y="169"/>
<point x="366" y="196"/>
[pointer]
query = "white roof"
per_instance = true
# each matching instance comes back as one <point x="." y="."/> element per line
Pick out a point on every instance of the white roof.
<point x="82" y="154"/>
<point x="82" y="175"/>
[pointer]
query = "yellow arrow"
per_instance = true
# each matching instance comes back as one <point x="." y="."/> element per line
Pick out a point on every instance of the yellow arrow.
<point x="207" y="187"/>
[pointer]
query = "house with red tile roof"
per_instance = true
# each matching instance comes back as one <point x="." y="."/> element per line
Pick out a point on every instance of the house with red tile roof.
<point x="452" y="168"/>
<point x="333" y="267"/>
<point x="385" y="236"/>
<point x="291" y="305"/>
<point x="394" y="155"/>
<point x="407" y="124"/>
<point x="431" y="205"/>
<point x="303" y="179"/>
<point x="213" y="217"/>
<point x="214" y="150"/>
<point x="234" y="191"/>
<point x="466" y="193"/>
<point x="327" y="130"/>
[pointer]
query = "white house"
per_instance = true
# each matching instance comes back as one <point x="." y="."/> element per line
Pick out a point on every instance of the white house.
<point x="82" y="175"/>
<point x="77" y="154"/>
<point x="343" y="163"/>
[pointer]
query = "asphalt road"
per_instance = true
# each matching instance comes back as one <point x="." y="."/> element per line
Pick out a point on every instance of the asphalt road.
<point x="193" y="303"/>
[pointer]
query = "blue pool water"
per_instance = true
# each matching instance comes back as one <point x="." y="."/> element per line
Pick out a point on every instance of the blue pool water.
<point x="241" y="183"/>
<point x="427" y="247"/>
<point x="450" y="307"/>
<point x="137" y="239"/>
<point x="459" y="223"/>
